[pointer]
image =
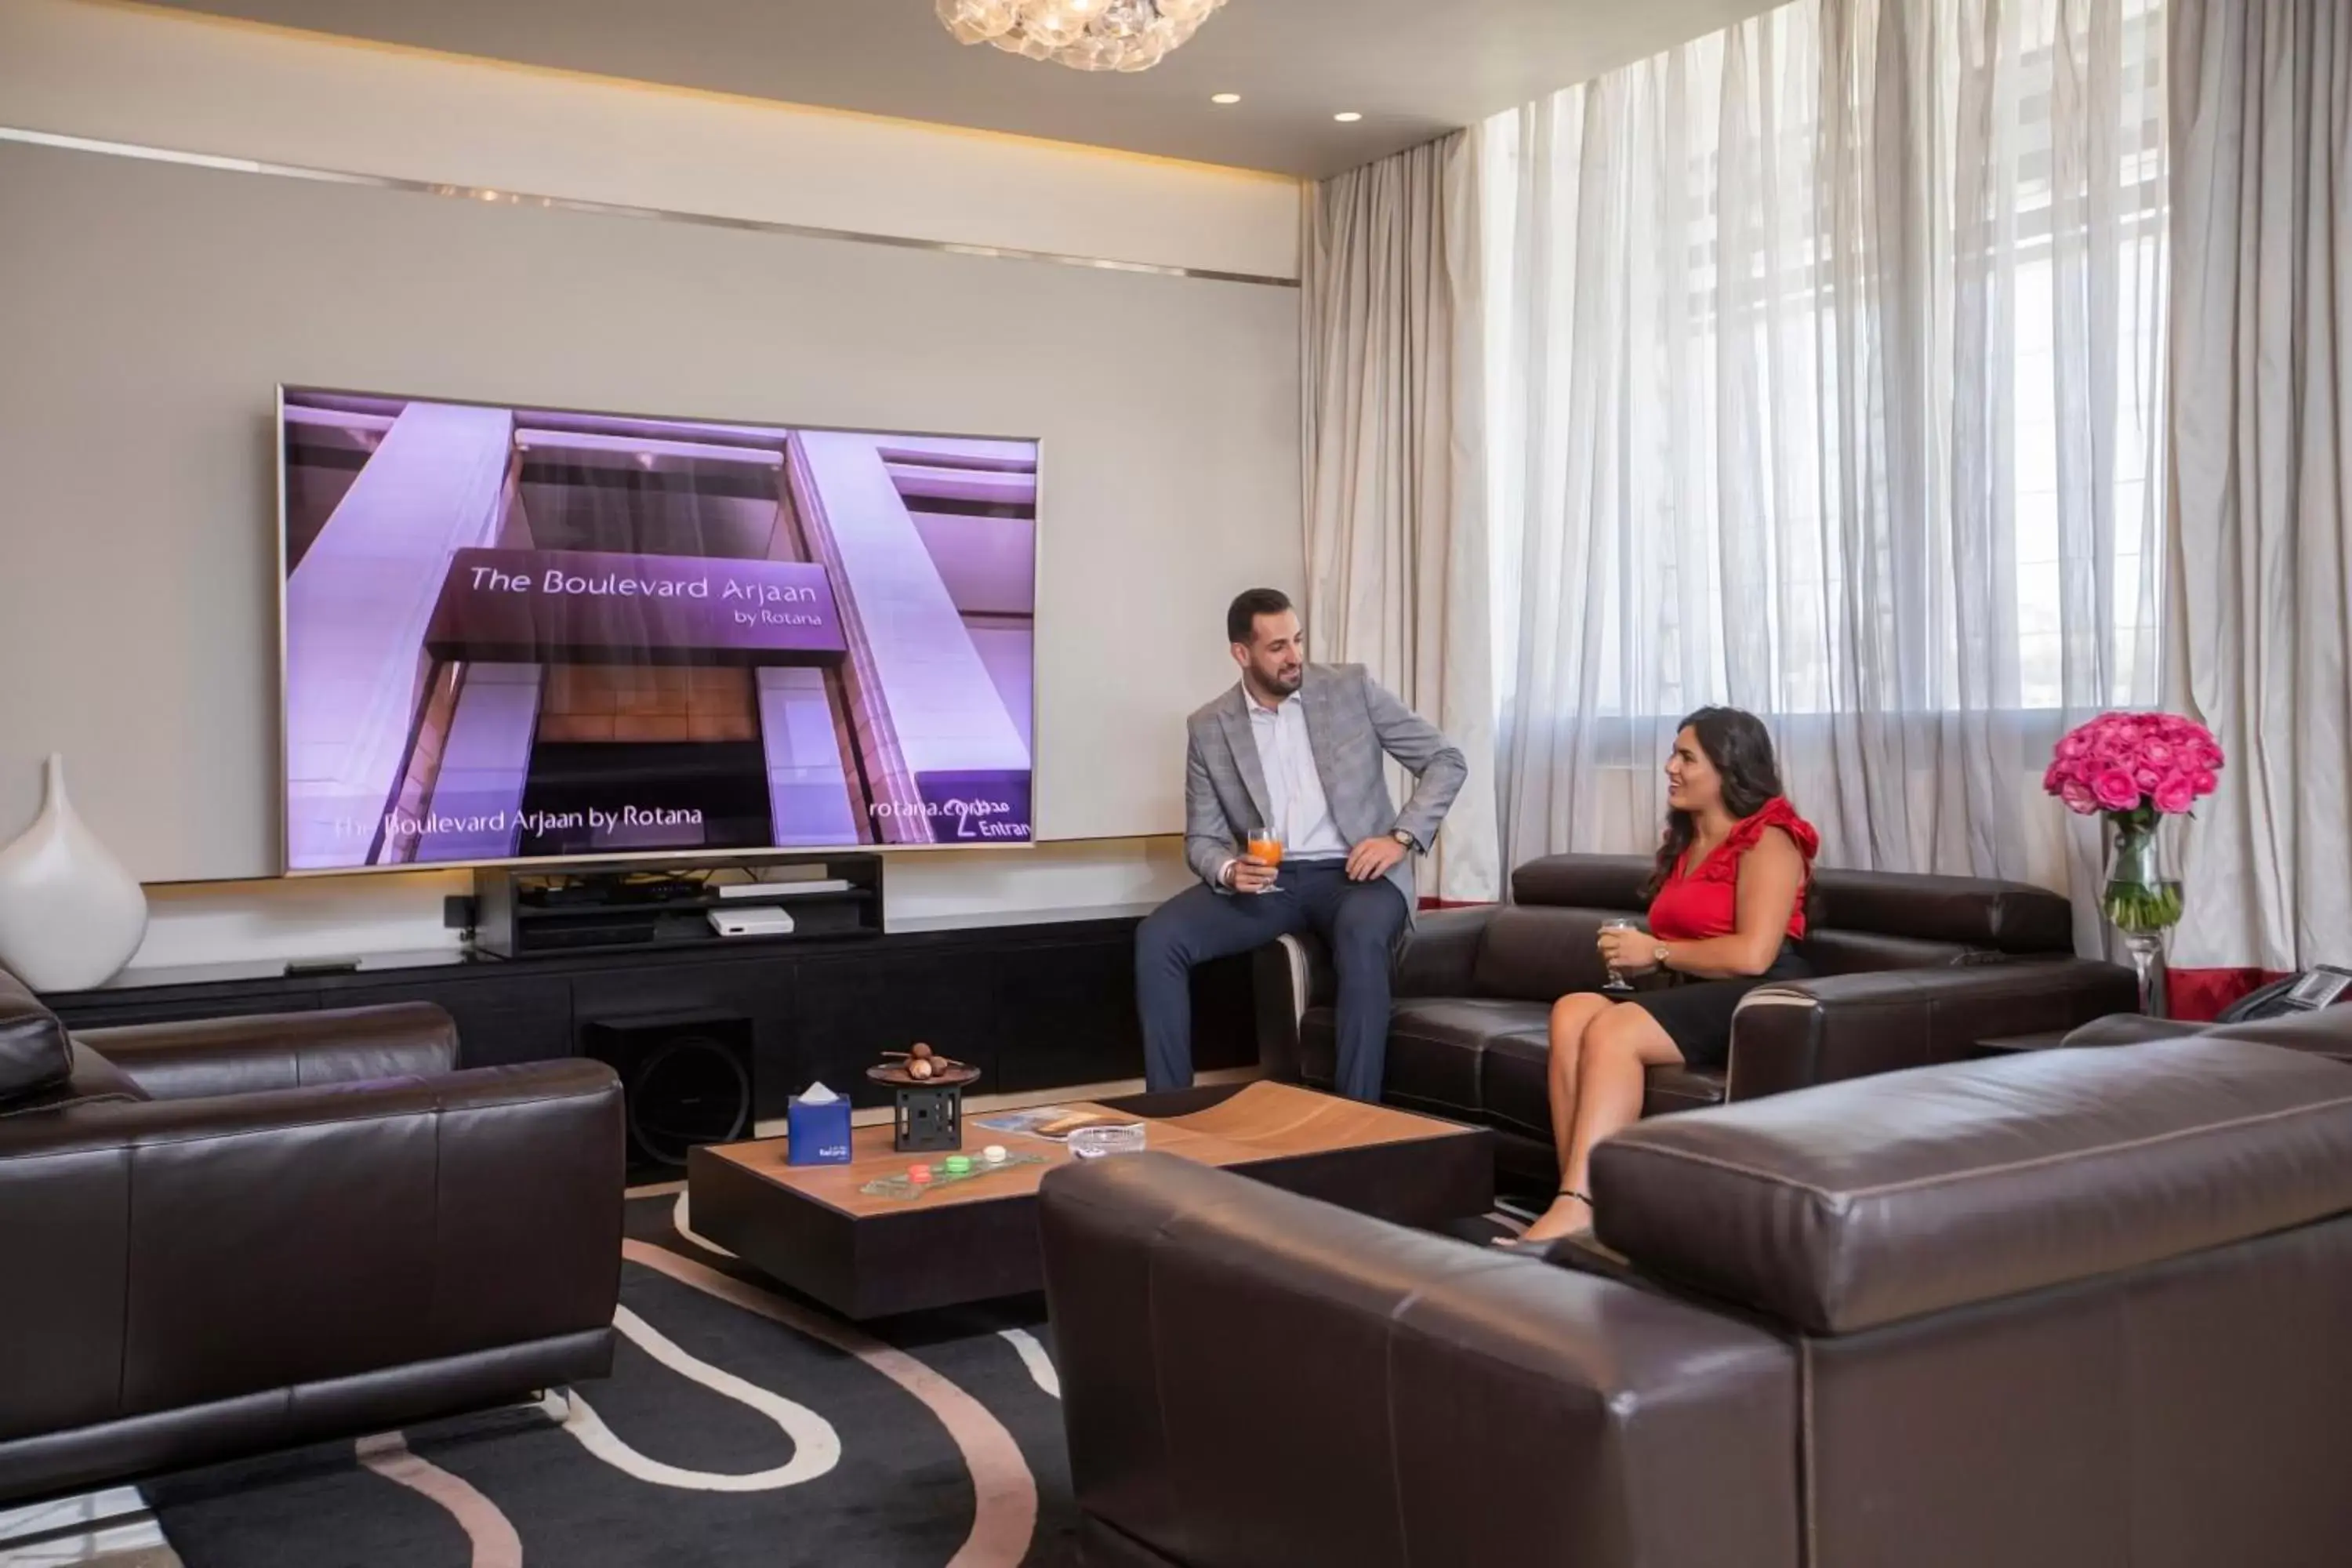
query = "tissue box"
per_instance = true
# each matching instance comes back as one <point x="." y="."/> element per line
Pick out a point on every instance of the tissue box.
<point x="819" y="1133"/>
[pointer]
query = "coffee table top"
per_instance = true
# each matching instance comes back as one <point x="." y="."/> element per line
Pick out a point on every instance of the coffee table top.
<point x="1258" y="1121"/>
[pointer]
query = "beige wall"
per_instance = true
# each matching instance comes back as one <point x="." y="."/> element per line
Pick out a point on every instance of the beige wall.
<point x="154" y="306"/>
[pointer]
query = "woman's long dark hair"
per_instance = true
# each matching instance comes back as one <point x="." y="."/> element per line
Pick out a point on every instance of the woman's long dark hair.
<point x="1742" y="750"/>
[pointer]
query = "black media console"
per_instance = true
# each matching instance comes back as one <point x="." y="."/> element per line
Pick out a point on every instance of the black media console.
<point x="1036" y="1006"/>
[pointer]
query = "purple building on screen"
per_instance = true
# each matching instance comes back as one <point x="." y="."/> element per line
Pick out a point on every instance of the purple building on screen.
<point x="516" y="634"/>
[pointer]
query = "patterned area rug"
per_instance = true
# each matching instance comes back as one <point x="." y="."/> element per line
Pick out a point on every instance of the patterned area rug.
<point x="740" y="1425"/>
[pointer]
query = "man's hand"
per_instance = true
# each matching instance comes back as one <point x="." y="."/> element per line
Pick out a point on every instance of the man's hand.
<point x="1375" y="858"/>
<point x="1249" y="876"/>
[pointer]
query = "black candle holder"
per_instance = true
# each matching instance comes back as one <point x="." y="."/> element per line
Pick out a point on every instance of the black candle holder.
<point x="926" y="1113"/>
<point x="926" y="1118"/>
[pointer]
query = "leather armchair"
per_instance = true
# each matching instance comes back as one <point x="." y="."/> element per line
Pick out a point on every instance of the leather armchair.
<point x="246" y="1234"/>
<point x="1912" y="971"/>
<point x="2054" y="1309"/>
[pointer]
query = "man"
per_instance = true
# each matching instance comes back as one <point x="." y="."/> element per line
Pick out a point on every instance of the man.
<point x="1295" y="749"/>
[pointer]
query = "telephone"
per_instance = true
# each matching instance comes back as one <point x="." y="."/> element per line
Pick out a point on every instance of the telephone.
<point x="2318" y="987"/>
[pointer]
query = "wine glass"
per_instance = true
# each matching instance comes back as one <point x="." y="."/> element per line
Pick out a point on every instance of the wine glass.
<point x="1264" y="846"/>
<point x="1617" y="981"/>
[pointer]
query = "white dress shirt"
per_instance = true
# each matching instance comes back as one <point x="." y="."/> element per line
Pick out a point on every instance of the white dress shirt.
<point x="1294" y="789"/>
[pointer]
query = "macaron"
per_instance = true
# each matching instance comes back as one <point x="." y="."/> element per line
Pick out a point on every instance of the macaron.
<point x="918" y="1173"/>
<point x="958" y="1164"/>
<point x="994" y="1155"/>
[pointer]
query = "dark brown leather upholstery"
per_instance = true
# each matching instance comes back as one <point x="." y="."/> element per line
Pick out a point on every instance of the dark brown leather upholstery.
<point x="2050" y="1310"/>
<point x="33" y="1055"/>
<point x="1804" y="1032"/>
<point x="1253" y="1377"/>
<point x="1868" y="1203"/>
<point x="2326" y="1032"/>
<point x="214" y="1246"/>
<point x="1911" y="971"/>
<point x="284" y="1050"/>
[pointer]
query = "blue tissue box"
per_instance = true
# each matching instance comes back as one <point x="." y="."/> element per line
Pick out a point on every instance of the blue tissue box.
<point x="819" y="1133"/>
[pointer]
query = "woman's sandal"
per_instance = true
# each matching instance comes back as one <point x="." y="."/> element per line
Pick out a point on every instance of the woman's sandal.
<point x="1511" y="1241"/>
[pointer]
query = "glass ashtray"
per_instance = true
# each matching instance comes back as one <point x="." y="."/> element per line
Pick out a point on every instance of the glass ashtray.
<point x="1094" y="1143"/>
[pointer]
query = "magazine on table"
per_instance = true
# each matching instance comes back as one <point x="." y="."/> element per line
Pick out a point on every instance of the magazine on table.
<point x="1054" y="1123"/>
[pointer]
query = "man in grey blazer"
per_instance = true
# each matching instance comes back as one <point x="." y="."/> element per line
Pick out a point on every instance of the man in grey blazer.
<point x="1297" y="749"/>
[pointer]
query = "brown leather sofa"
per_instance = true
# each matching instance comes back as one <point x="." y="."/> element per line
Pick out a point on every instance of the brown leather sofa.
<point x="2326" y="1032"/>
<point x="2064" y="1307"/>
<point x="249" y="1233"/>
<point x="1912" y="971"/>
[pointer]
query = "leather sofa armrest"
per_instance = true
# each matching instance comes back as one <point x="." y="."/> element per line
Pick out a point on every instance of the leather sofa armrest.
<point x="166" y="1252"/>
<point x="1287" y="975"/>
<point x="1797" y="1034"/>
<point x="2326" y="1032"/>
<point x="1434" y="957"/>
<point x="281" y="1050"/>
<point x="2133" y="1029"/>
<point x="1344" y="1387"/>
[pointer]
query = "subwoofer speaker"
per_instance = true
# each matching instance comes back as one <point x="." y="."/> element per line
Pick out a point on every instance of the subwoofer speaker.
<point x="685" y="1078"/>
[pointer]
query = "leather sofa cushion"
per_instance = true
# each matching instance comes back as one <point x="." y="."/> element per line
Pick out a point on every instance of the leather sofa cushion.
<point x="1436" y="1054"/>
<point x="33" y="1052"/>
<point x="1511" y="1069"/>
<point x="1838" y="951"/>
<point x="1587" y="881"/>
<point x="1671" y="1089"/>
<point x="1483" y="1059"/>
<point x="92" y="1079"/>
<point x="1874" y="1202"/>
<point x="2007" y="917"/>
<point x="1517" y="1065"/>
<point x="1539" y="954"/>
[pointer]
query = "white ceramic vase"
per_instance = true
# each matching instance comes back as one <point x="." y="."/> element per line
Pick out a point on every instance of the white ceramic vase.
<point x="70" y="915"/>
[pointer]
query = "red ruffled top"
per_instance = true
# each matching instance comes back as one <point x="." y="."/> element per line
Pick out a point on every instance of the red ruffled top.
<point x="1702" y="901"/>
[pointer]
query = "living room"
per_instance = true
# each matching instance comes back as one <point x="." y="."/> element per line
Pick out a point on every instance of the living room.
<point x="1644" y="707"/>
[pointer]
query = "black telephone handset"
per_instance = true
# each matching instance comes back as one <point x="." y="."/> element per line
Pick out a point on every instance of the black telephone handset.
<point x="2319" y="986"/>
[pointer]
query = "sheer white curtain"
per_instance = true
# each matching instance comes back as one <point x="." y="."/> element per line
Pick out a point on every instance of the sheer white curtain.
<point x="1823" y="380"/>
<point x="1396" y="563"/>
<point x="2262" y="445"/>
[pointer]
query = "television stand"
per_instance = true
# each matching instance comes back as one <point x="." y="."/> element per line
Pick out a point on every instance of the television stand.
<point x="530" y="910"/>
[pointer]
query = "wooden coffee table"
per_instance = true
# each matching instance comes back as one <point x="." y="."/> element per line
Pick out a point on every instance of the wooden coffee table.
<point x="866" y="1255"/>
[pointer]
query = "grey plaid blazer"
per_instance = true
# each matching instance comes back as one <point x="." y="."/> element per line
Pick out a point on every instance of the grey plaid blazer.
<point x="1352" y="722"/>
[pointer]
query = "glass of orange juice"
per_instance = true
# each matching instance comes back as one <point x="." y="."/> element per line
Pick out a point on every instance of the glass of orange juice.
<point x="1264" y="846"/>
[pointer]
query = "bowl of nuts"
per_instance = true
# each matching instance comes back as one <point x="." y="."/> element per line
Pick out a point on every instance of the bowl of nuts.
<point x="919" y="1067"/>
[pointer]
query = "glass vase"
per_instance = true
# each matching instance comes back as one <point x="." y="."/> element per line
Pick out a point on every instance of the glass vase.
<point x="2141" y="901"/>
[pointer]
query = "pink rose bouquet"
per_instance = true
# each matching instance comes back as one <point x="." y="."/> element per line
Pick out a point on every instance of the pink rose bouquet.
<point x="2134" y="763"/>
<point x="2136" y="769"/>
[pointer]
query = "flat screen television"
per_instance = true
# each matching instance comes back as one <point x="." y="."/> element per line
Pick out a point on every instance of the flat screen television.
<point x="522" y="634"/>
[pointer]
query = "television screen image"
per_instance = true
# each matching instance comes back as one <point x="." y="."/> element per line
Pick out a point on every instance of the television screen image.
<point x="515" y="634"/>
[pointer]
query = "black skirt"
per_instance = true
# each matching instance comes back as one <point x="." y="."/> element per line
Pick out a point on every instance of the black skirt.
<point x="1696" y="1013"/>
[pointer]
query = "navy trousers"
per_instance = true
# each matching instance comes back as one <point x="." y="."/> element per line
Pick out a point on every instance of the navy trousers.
<point x="1359" y="920"/>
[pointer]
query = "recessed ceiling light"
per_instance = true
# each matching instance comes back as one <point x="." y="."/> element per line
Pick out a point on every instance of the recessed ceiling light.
<point x="1225" y="98"/>
<point x="1347" y="117"/>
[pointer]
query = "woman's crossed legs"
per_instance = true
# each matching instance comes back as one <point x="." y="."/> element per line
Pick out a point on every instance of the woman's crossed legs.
<point x="1602" y="1052"/>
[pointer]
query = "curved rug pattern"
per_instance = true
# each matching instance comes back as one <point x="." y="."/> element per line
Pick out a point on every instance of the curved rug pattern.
<point x="742" y="1426"/>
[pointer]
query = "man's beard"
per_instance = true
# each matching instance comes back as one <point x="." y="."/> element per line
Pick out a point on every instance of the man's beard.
<point x="1282" y="685"/>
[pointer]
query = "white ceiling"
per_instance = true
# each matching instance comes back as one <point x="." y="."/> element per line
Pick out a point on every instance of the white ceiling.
<point x="1412" y="69"/>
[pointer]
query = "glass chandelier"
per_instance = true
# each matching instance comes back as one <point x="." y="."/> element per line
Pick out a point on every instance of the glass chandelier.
<point x="1086" y="34"/>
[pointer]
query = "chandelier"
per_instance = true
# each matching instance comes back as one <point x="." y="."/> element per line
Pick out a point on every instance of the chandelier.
<point x="1086" y="34"/>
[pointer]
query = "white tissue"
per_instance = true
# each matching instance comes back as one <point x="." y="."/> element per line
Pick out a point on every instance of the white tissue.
<point x="817" y="1094"/>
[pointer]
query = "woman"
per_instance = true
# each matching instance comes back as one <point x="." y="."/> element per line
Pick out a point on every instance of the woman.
<point x="1727" y="914"/>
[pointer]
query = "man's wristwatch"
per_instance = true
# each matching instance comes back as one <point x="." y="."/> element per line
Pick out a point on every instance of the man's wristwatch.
<point x="1658" y="955"/>
<point x="1401" y="837"/>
